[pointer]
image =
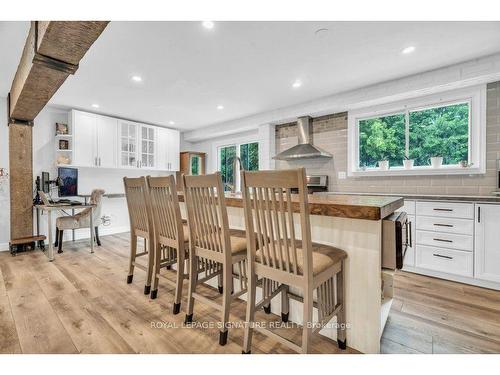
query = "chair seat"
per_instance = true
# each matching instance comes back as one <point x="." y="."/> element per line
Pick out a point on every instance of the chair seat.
<point x="68" y="222"/>
<point x="323" y="257"/>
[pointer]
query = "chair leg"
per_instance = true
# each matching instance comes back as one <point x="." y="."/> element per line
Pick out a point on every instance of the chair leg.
<point x="97" y="239"/>
<point x="156" y="269"/>
<point x="60" y="250"/>
<point x="219" y="283"/>
<point x="341" y="321"/>
<point x="192" y="287"/>
<point x="56" y="243"/>
<point x="179" y="280"/>
<point x="307" y="328"/>
<point x="227" y="283"/>
<point x="250" y="315"/>
<point x="285" y="305"/>
<point x="151" y="260"/>
<point x="133" y="252"/>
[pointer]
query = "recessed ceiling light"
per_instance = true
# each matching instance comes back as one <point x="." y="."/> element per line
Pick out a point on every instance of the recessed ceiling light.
<point x="95" y="105"/>
<point x="136" y="78"/>
<point x="171" y="123"/>
<point x="297" y="84"/>
<point x="208" y="24"/>
<point x="408" y="50"/>
<point x="220" y="107"/>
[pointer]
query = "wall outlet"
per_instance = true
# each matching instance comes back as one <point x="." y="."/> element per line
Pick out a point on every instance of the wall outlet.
<point x="341" y="175"/>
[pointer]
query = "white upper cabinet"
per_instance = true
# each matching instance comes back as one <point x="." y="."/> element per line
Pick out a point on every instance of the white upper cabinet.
<point x="487" y="242"/>
<point x="147" y="147"/>
<point x="84" y="139"/>
<point x="101" y="141"/>
<point x="106" y="130"/>
<point x="127" y="140"/>
<point x="94" y="140"/>
<point x="168" y="149"/>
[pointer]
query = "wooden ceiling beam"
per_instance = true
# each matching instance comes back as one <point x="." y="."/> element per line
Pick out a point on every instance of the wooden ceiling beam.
<point x="52" y="52"/>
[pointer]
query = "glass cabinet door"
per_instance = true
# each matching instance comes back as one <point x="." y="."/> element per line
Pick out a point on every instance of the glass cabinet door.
<point x="128" y="145"/>
<point x="195" y="165"/>
<point x="148" y="139"/>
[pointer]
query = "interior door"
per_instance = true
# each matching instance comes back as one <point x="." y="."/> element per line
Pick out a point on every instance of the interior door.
<point x="128" y="144"/>
<point x="106" y="141"/>
<point x="84" y="141"/>
<point x="487" y="242"/>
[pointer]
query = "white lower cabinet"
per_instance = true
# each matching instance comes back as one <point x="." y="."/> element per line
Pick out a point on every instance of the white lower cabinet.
<point x="445" y="260"/>
<point x="455" y="240"/>
<point x="487" y="242"/>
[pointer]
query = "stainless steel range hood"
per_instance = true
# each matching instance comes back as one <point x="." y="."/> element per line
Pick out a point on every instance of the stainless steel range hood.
<point x="305" y="149"/>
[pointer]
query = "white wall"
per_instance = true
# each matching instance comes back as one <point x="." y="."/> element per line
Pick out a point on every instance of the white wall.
<point x="4" y="189"/>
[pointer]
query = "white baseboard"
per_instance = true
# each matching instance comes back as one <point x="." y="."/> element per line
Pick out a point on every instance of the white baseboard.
<point x="4" y="246"/>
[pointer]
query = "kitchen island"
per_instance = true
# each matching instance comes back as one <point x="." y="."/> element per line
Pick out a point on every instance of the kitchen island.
<point x="352" y="223"/>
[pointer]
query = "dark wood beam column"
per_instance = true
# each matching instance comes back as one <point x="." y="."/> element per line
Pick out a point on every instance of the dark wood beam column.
<point x="52" y="52"/>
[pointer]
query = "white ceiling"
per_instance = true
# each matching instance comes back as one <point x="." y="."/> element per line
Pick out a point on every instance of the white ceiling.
<point x="248" y="67"/>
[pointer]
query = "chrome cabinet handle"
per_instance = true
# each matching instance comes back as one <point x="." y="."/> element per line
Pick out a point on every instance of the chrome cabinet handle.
<point x="441" y="240"/>
<point x="95" y="161"/>
<point x="99" y="162"/>
<point x="444" y="209"/>
<point x="443" y="225"/>
<point x="442" y="256"/>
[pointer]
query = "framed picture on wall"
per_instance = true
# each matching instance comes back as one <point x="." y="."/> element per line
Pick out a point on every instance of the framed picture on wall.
<point x="61" y="129"/>
<point x="63" y="144"/>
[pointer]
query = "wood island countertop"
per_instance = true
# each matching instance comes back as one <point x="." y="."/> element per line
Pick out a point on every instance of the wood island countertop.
<point x="366" y="207"/>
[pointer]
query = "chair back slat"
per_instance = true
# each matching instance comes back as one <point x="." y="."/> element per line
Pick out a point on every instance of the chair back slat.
<point x="207" y="213"/>
<point x="270" y="221"/>
<point x="165" y="208"/>
<point x="136" y="195"/>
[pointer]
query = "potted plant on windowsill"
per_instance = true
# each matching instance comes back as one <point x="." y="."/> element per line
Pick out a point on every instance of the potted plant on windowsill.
<point x="408" y="163"/>
<point x="436" y="161"/>
<point x="383" y="164"/>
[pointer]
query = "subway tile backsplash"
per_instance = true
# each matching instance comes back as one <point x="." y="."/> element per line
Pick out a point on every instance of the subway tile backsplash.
<point x="330" y="133"/>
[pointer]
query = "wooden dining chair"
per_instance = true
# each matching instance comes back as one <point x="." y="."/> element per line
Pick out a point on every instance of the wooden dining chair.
<point x="211" y="246"/>
<point x="282" y="262"/>
<point x="171" y="235"/>
<point x="141" y="225"/>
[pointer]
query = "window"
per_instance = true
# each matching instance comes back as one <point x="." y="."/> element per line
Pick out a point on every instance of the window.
<point x="226" y="162"/>
<point x="195" y="165"/>
<point x="249" y="155"/>
<point x="450" y="126"/>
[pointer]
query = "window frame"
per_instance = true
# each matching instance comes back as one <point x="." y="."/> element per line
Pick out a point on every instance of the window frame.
<point x="238" y="144"/>
<point x="474" y="96"/>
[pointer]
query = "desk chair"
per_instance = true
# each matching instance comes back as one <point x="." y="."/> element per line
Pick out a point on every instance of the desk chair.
<point x="81" y="219"/>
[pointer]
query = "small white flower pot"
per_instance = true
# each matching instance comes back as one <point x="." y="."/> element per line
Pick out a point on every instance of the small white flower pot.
<point x="408" y="163"/>
<point x="436" y="161"/>
<point x="383" y="165"/>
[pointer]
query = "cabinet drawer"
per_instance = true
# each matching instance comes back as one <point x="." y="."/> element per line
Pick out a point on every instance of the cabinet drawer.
<point x="445" y="260"/>
<point x="446" y="225"/>
<point x="444" y="209"/>
<point x="447" y="240"/>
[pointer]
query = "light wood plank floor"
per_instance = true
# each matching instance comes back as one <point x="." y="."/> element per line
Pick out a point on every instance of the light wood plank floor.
<point x="81" y="304"/>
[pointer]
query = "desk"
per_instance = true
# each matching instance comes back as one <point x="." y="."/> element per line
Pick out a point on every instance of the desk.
<point x="59" y="207"/>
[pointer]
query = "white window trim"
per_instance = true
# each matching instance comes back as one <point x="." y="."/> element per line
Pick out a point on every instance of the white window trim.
<point x="476" y="95"/>
<point x="217" y="146"/>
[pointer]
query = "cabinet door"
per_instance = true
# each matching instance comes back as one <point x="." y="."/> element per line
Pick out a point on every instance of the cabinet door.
<point x="147" y="147"/>
<point x="409" y="259"/>
<point x="128" y="144"/>
<point x="173" y="156"/>
<point x="162" y="146"/>
<point x="487" y="242"/>
<point x="84" y="139"/>
<point x="106" y="141"/>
